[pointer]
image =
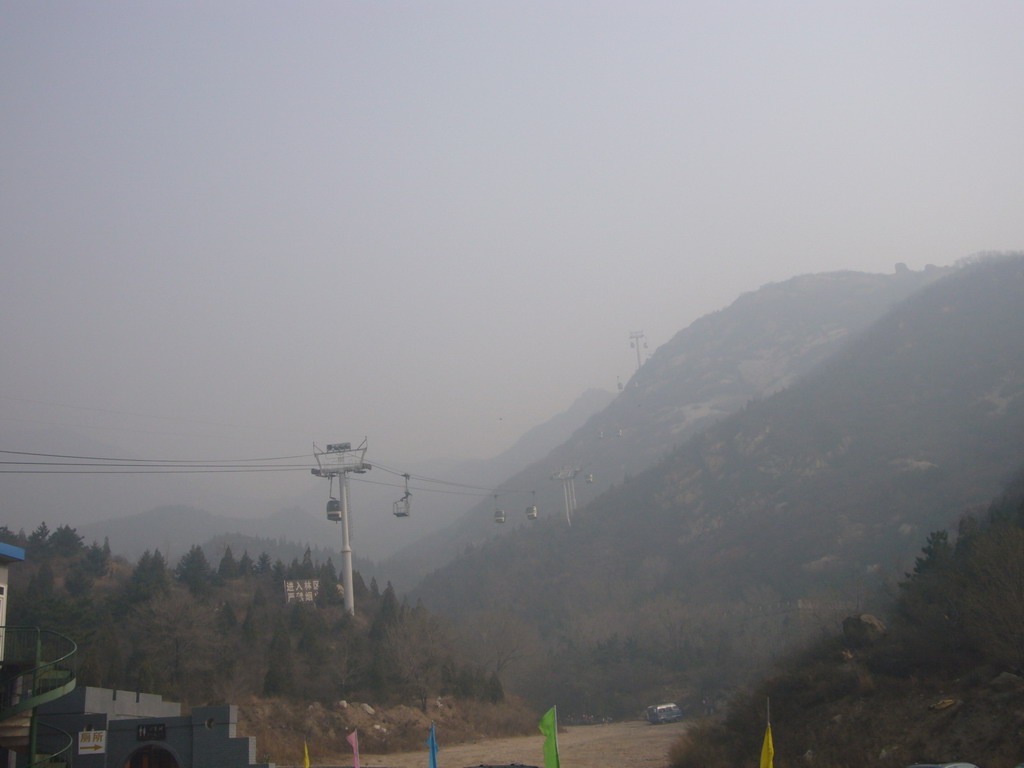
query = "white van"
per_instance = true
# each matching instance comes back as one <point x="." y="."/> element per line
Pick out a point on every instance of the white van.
<point x="664" y="713"/>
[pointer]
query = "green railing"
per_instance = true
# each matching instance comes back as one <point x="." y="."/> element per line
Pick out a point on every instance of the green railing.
<point x="38" y="666"/>
<point x="61" y="757"/>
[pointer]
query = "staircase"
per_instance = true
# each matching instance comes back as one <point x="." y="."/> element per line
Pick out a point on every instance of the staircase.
<point x="38" y="666"/>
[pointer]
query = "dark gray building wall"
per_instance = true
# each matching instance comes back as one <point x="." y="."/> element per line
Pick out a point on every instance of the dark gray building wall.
<point x="206" y="738"/>
<point x="214" y="739"/>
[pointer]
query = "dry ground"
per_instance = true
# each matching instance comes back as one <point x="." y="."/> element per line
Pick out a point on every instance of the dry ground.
<point x="616" y="745"/>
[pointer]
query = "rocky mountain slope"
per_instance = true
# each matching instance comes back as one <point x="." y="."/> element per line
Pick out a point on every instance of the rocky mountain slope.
<point x="765" y="341"/>
<point x="825" y="488"/>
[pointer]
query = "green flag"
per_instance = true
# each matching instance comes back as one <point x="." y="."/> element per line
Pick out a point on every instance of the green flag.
<point x="549" y="727"/>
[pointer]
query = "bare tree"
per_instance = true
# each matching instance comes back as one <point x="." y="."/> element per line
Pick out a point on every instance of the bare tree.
<point x="497" y="639"/>
<point x="993" y="594"/>
<point x="417" y="649"/>
<point x="177" y="634"/>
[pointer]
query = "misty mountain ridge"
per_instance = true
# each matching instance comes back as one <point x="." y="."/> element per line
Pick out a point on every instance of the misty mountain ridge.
<point x="763" y="342"/>
<point x="376" y="534"/>
<point x="174" y="529"/>
<point x="824" y="487"/>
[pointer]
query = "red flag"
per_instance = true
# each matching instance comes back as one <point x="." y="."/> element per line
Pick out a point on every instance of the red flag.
<point x="353" y="739"/>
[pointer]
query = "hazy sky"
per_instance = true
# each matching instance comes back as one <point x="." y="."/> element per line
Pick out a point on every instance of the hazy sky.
<point x="231" y="229"/>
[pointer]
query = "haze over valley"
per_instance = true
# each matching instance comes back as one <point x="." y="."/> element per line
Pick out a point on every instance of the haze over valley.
<point x="692" y="335"/>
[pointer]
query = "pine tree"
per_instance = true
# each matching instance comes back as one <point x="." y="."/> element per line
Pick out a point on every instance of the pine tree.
<point x="149" y="579"/>
<point x="278" y="680"/>
<point x="263" y="564"/>
<point x="65" y="542"/>
<point x="227" y="622"/>
<point x="228" y="568"/>
<point x="97" y="559"/>
<point x="193" y="570"/>
<point x="306" y="570"/>
<point x="245" y="565"/>
<point x="38" y="541"/>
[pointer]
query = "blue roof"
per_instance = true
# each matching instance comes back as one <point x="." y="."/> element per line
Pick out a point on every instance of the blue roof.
<point x="9" y="553"/>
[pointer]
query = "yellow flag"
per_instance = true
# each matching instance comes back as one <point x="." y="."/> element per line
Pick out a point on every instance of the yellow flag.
<point x="767" y="749"/>
<point x="305" y="755"/>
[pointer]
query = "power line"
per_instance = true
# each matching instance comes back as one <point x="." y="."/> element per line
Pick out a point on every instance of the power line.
<point x="424" y="479"/>
<point x="182" y="465"/>
<point x="420" y="489"/>
<point x="141" y="471"/>
<point x="157" y="461"/>
<point x="76" y="464"/>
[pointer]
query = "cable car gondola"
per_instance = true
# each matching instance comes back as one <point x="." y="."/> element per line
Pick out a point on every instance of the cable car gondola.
<point x="333" y="504"/>
<point x="402" y="505"/>
<point x="499" y="514"/>
<point x="531" y="511"/>
<point x="333" y="509"/>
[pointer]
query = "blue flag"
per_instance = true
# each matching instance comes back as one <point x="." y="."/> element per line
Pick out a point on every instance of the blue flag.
<point x="432" y="743"/>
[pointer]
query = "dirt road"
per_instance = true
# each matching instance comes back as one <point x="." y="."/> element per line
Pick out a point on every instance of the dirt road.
<point x="616" y="745"/>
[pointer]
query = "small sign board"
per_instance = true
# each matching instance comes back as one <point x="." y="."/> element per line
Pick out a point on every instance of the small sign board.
<point x="92" y="742"/>
<point x="151" y="732"/>
<point x="301" y="590"/>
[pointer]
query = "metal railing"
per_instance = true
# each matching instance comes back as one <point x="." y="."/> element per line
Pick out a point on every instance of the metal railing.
<point x="39" y="665"/>
<point x="60" y="758"/>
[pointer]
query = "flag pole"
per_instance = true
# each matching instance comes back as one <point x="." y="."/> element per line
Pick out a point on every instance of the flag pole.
<point x="768" y="747"/>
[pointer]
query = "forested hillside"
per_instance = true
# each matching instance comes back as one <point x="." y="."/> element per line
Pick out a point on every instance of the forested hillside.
<point x="763" y="342"/>
<point x="943" y="683"/>
<point x="776" y="521"/>
<point x="199" y="633"/>
<point x="683" y="582"/>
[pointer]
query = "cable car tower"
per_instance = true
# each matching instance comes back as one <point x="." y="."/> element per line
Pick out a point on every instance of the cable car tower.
<point x="568" y="476"/>
<point x="635" y="339"/>
<point x="338" y="460"/>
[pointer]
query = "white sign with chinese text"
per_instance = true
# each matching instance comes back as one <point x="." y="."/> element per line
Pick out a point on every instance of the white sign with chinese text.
<point x="92" y="742"/>
<point x="302" y="590"/>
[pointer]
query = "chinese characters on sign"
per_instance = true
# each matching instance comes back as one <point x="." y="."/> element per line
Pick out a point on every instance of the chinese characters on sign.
<point x="151" y="732"/>
<point x="302" y="590"/>
<point x="92" y="742"/>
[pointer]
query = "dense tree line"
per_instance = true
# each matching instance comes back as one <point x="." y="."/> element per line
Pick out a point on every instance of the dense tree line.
<point x="945" y="679"/>
<point x="200" y="632"/>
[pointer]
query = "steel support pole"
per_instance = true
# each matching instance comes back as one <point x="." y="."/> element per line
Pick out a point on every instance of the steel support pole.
<point x="568" y="507"/>
<point x="346" y="548"/>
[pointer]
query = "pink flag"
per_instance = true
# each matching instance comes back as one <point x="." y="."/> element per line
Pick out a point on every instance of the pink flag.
<point x="353" y="739"/>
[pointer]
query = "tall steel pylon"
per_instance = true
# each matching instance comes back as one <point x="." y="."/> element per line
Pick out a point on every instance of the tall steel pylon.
<point x="635" y="337"/>
<point x="338" y="461"/>
<point x="568" y="476"/>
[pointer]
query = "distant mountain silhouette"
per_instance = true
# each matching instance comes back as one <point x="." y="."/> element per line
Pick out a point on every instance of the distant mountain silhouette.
<point x="830" y="484"/>
<point x="174" y="529"/>
<point x="762" y="343"/>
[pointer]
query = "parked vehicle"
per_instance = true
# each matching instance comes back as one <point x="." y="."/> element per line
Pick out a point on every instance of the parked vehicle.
<point x="664" y="713"/>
